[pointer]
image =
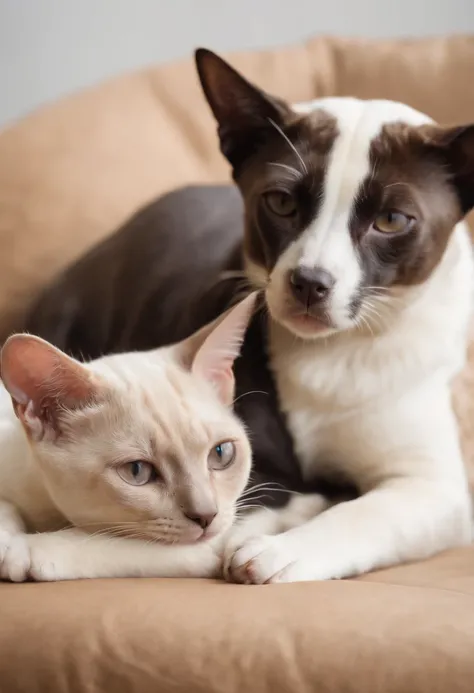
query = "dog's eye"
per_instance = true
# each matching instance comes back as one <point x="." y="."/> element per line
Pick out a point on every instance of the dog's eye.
<point x="137" y="473"/>
<point x="392" y="222"/>
<point x="222" y="455"/>
<point x="281" y="203"/>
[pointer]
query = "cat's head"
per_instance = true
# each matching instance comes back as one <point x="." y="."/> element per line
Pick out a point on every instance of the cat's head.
<point x="350" y="204"/>
<point x="142" y="444"/>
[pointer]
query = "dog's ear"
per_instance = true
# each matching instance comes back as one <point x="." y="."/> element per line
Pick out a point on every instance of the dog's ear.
<point x="459" y="147"/>
<point x="243" y="112"/>
<point x="454" y="147"/>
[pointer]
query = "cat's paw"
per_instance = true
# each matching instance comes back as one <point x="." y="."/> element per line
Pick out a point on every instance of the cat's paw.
<point x="262" y="560"/>
<point x="5" y="540"/>
<point x="14" y="558"/>
<point x="32" y="557"/>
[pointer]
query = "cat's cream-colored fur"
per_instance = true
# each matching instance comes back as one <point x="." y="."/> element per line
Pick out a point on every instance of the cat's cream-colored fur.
<point x="70" y="504"/>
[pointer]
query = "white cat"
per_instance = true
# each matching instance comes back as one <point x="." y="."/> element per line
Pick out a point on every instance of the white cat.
<point x="130" y="465"/>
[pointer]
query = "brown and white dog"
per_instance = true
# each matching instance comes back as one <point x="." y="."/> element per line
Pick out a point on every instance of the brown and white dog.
<point x="353" y="230"/>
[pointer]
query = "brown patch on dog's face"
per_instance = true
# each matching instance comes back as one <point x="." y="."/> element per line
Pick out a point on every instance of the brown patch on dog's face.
<point x="409" y="178"/>
<point x="274" y="153"/>
<point x="282" y="185"/>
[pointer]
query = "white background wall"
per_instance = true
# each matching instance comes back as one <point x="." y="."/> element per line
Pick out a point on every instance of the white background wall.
<point x="52" y="47"/>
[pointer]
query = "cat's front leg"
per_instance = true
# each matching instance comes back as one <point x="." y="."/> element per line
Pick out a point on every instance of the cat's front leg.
<point x="11" y="524"/>
<point x="73" y="554"/>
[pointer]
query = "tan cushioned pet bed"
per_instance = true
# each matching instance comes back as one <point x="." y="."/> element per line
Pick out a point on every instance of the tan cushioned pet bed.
<point x="69" y="175"/>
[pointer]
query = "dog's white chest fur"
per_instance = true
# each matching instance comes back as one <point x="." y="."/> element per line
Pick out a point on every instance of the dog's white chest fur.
<point x="351" y="398"/>
<point x="340" y="394"/>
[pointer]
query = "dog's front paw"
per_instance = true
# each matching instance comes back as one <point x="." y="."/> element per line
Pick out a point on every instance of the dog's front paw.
<point x="33" y="557"/>
<point x="274" y="559"/>
<point x="264" y="559"/>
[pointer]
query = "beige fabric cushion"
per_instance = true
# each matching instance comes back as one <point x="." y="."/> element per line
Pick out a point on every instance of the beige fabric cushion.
<point x="409" y="630"/>
<point x="69" y="175"/>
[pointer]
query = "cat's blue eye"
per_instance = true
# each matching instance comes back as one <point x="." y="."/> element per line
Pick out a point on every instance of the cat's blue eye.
<point x="222" y="455"/>
<point x="137" y="473"/>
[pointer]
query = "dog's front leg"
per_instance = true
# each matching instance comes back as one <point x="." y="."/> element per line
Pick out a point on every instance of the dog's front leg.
<point x="406" y="457"/>
<point x="402" y="520"/>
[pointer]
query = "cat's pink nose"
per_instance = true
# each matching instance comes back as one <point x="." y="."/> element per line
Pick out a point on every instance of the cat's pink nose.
<point x="203" y="519"/>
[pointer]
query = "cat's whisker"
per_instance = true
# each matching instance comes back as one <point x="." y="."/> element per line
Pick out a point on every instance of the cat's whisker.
<point x="272" y="484"/>
<point x="129" y="530"/>
<point x="264" y="486"/>
<point x="255" y="498"/>
<point x="251" y="392"/>
<point x="250" y="506"/>
<point x="103" y="523"/>
<point x="103" y="535"/>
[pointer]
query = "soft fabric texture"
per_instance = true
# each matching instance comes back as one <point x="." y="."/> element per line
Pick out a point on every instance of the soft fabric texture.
<point x="69" y="175"/>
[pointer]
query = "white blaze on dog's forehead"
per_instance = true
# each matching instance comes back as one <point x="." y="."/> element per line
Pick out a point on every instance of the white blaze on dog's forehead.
<point x="359" y="123"/>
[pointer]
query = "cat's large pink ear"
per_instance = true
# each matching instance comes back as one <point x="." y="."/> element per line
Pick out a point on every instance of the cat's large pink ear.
<point x="215" y="347"/>
<point x="42" y="381"/>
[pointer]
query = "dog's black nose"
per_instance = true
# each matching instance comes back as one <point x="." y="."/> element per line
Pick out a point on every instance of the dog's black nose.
<point x="203" y="520"/>
<point x="311" y="285"/>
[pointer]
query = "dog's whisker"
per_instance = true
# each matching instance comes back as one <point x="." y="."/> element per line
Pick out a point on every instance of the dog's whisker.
<point x="367" y="324"/>
<point x="290" y="143"/>
<point x="399" y="183"/>
<point x="371" y="313"/>
<point x="295" y="173"/>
